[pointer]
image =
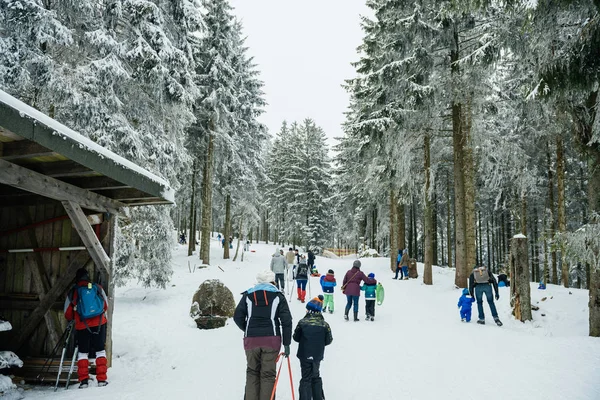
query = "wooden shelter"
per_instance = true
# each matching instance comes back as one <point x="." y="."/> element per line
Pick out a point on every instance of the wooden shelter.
<point x="60" y="196"/>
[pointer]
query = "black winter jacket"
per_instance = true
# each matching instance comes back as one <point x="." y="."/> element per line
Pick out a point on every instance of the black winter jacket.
<point x="492" y="281"/>
<point x="313" y="334"/>
<point x="263" y="312"/>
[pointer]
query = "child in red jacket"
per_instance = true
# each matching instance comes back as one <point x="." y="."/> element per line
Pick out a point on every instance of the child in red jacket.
<point x="90" y="332"/>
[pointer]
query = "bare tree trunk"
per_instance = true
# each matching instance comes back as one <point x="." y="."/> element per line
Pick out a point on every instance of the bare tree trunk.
<point x="401" y="227"/>
<point x="428" y="223"/>
<point x="448" y="222"/>
<point x="562" y="225"/>
<point x="207" y="179"/>
<point x="523" y="214"/>
<point x="227" y="231"/>
<point x="469" y="173"/>
<point x="192" y="242"/>
<point x="551" y="215"/>
<point x="434" y="226"/>
<point x="237" y="248"/>
<point x="393" y="239"/>
<point x="520" y="299"/>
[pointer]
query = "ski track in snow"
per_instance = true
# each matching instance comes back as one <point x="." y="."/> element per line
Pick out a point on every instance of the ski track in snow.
<point x="417" y="347"/>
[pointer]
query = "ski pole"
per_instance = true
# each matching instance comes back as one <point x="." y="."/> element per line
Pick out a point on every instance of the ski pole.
<point x="277" y="376"/>
<point x="291" y="380"/>
<point x="309" y="295"/>
<point x="75" y="352"/>
<point x="62" y="357"/>
<point x="46" y="367"/>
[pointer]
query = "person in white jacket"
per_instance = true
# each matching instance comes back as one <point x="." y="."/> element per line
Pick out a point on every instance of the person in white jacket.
<point x="279" y="267"/>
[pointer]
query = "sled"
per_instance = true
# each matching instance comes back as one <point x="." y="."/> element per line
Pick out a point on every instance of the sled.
<point x="379" y="294"/>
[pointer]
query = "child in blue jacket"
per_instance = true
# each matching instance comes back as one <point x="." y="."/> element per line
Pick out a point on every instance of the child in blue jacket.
<point x="464" y="304"/>
<point x="370" y="297"/>
<point x="327" y="284"/>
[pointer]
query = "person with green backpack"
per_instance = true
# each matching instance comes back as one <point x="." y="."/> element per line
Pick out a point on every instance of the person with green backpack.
<point x="87" y="303"/>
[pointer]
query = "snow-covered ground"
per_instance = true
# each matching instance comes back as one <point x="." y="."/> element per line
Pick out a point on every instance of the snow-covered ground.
<point x="417" y="347"/>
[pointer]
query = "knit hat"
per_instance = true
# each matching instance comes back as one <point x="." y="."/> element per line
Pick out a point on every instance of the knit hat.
<point x="315" y="305"/>
<point x="265" y="276"/>
<point x="465" y="291"/>
<point x="356" y="264"/>
<point x="82" y="275"/>
<point x="371" y="275"/>
<point x="330" y="272"/>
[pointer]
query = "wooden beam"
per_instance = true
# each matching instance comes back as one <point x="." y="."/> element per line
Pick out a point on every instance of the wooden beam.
<point x="59" y="288"/>
<point x="125" y="194"/>
<point x="87" y="235"/>
<point x="8" y="303"/>
<point x="58" y="169"/>
<point x="95" y="183"/>
<point x="23" y="178"/>
<point x="24" y="149"/>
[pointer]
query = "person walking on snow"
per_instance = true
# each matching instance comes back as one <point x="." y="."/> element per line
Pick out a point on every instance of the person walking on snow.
<point x="279" y="268"/>
<point x="464" y="304"/>
<point x="302" y="279"/>
<point x="313" y="334"/>
<point x="351" y="288"/>
<point x="479" y="284"/>
<point x="370" y="290"/>
<point x="289" y="258"/>
<point x="398" y="267"/>
<point x="404" y="264"/>
<point x="328" y="284"/>
<point x="264" y="316"/>
<point x="90" y="333"/>
<point x="311" y="259"/>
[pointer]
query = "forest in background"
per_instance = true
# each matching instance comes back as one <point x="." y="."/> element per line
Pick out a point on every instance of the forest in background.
<point x="469" y="122"/>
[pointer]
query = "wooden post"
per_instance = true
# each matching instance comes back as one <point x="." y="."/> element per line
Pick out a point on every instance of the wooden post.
<point x="520" y="289"/>
<point x="88" y="236"/>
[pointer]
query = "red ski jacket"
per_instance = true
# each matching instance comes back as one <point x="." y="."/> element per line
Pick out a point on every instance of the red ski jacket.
<point x="71" y="313"/>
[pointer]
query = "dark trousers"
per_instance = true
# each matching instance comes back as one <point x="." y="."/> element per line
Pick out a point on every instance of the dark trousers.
<point x="280" y="280"/>
<point x="260" y="373"/>
<point x="370" y="307"/>
<point x="91" y="341"/>
<point x="301" y="283"/>
<point x="352" y="300"/>
<point x="311" y="384"/>
<point x="480" y="290"/>
<point x="398" y="269"/>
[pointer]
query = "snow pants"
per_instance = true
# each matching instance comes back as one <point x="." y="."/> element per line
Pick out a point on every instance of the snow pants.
<point x="280" y="281"/>
<point x="479" y="291"/>
<point x="328" y="301"/>
<point x="311" y="384"/>
<point x="370" y="307"/>
<point x="87" y="342"/>
<point x="260" y="373"/>
<point x="465" y="314"/>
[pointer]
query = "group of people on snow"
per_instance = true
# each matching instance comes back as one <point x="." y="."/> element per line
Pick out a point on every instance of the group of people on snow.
<point x="481" y="282"/>
<point x="264" y="316"/>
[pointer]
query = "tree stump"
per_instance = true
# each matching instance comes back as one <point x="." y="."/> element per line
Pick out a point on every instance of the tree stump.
<point x="412" y="268"/>
<point x="520" y="299"/>
<point x="212" y="305"/>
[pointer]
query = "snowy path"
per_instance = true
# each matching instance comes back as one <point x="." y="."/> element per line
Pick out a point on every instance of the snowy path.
<point x="416" y="348"/>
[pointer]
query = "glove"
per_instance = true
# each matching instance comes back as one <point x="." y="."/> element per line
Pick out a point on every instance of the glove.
<point x="497" y="297"/>
<point x="286" y="351"/>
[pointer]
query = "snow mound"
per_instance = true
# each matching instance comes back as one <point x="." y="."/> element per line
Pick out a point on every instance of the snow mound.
<point x="5" y="326"/>
<point x="329" y="254"/>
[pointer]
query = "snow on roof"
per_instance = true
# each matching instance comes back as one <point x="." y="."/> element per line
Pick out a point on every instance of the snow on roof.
<point x="67" y="133"/>
<point x="519" y="236"/>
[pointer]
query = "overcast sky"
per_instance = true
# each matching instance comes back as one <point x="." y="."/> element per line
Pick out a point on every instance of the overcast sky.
<point x="303" y="49"/>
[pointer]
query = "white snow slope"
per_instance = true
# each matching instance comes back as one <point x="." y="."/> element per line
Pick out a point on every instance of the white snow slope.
<point x="417" y="347"/>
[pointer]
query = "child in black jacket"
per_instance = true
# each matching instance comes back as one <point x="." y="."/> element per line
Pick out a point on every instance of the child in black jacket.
<point x="312" y="334"/>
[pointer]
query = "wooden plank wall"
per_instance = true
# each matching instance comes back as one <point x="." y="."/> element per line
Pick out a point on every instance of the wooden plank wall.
<point x="16" y="282"/>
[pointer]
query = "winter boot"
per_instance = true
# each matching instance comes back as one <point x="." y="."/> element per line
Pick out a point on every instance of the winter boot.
<point x="102" y="383"/>
<point x="83" y="370"/>
<point x="356" y="317"/>
<point x="497" y="321"/>
<point x="368" y="317"/>
<point x="346" y="314"/>
<point x="101" y="370"/>
<point x="372" y="318"/>
<point x="83" y="384"/>
<point x="481" y="321"/>
<point x="303" y="297"/>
